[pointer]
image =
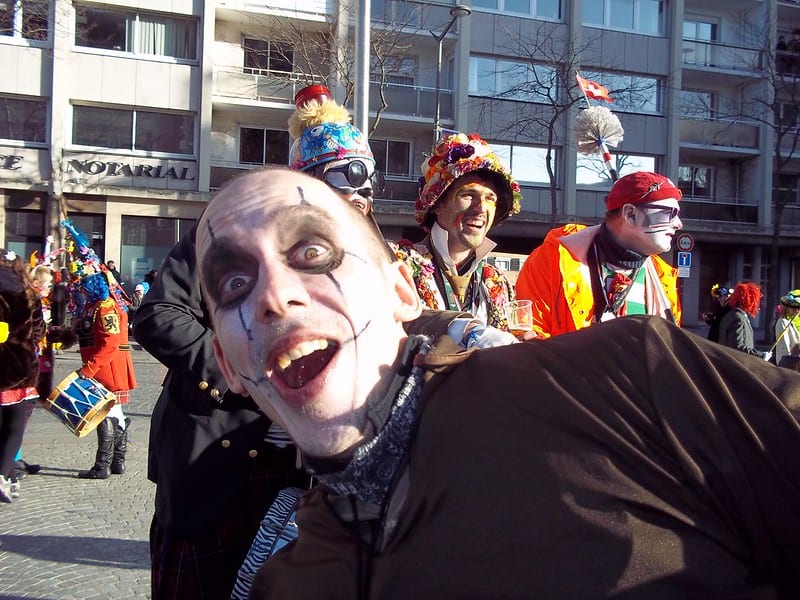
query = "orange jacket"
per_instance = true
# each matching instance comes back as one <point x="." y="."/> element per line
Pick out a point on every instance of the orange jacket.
<point x="106" y="354"/>
<point x="556" y="278"/>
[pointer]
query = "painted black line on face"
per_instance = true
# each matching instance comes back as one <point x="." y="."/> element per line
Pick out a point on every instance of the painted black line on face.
<point x="243" y="323"/>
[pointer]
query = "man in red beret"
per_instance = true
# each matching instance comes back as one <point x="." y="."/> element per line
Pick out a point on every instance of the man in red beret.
<point x="582" y="275"/>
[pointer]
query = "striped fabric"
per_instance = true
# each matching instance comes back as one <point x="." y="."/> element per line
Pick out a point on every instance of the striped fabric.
<point x="277" y="530"/>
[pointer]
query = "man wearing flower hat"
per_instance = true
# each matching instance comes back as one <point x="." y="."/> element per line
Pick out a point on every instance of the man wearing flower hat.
<point x="583" y="275"/>
<point x="464" y="191"/>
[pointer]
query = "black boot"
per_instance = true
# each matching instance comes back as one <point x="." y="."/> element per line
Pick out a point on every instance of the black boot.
<point x="120" y="448"/>
<point x="105" y="449"/>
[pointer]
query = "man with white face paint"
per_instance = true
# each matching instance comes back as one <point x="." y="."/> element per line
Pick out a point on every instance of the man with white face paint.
<point x="508" y="472"/>
<point x="583" y="275"/>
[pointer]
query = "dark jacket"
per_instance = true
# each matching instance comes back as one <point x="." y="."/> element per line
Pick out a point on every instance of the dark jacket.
<point x="204" y="440"/>
<point x="736" y="331"/>
<point x="24" y="328"/>
<point x="545" y="469"/>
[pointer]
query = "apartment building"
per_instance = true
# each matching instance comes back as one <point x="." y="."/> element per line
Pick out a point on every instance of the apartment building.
<point x="126" y="115"/>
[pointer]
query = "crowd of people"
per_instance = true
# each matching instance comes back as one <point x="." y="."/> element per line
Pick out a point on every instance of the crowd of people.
<point x="429" y="452"/>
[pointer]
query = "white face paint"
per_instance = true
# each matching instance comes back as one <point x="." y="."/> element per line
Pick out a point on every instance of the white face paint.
<point x="655" y="226"/>
<point x="307" y="307"/>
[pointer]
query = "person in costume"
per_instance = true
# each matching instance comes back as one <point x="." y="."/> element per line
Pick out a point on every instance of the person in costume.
<point x="628" y="459"/>
<point x="22" y="328"/>
<point x="464" y="191"/>
<point x="103" y="338"/>
<point x="787" y="327"/>
<point x="582" y="275"/>
<point x="720" y="294"/>
<point x="735" y="328"/>
<point x="329" y="147"/>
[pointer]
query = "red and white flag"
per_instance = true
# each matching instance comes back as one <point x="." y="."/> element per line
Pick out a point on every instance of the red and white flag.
<point x="593" y="90"/>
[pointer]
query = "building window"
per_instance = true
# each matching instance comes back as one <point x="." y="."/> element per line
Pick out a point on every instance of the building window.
<point x="129" y="129"/>
<point x="258" y="146"/>
<point x="527" y="163"/>
<point x="542" y="9"/>
<point x="786" y="189"/>
<point x="23" y="119"/>
<point x="135" y="32"/>
<point x="398" y="70"/>
<point x="591" y="169"/>
<point x="695" y="182"/>
<point x="639" y="16"/>
<point x="697" y="42"/>
<point x="392" y="157"/>
<point x="395" y="11"/>
<point x="788" y="115"/>
<point x="261" y="56"/>
<point x="511" y="80"/>
<point x="630" y="92"/>
<point x="26" y="19"/>
<point x="696" y="104"/>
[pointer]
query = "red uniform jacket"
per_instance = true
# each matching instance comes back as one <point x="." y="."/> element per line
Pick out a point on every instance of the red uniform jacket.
<point x="106" y="354"/>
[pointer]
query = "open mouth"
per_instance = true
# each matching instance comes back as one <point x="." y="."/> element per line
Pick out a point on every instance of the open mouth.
<point x="300" y="364"/>
<point x="474" y="224"/>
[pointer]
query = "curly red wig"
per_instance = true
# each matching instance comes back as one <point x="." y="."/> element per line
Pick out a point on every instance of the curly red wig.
<point x="747" y="296"/>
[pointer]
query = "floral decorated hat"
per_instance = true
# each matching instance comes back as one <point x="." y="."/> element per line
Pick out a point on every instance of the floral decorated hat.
<point x="457" y="155"/>
<point x="323" y="131"/>
<point x="791" y="299"/>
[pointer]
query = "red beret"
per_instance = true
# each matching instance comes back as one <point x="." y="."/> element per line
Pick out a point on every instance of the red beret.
<point x="641" y="187"/>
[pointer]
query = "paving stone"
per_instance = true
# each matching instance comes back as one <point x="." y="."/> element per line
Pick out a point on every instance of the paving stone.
<point x="66" y="538"/>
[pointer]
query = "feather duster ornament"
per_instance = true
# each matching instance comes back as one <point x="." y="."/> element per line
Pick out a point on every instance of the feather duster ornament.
<point x="597" y="128"/>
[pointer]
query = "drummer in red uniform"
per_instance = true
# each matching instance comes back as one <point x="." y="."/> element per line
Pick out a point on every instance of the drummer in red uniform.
<point x="103" y="337"/>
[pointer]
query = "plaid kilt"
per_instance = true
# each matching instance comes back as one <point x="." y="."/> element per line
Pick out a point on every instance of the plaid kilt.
<point x="205" y="566"/>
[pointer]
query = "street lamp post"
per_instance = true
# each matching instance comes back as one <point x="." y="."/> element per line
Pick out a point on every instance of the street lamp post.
<point x="458" y="11"/>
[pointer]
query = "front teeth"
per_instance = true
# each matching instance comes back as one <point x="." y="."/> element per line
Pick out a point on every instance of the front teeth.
<point x="302" y="349"/>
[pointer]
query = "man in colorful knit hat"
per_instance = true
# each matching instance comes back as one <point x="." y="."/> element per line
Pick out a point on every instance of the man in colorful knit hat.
<point x="583" y="275"/>
<point x="464" y="191"/>
<point x="330" y="148"/>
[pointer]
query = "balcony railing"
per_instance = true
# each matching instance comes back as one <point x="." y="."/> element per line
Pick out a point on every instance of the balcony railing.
<point x="719" y="132"/>
<point x="705" y="210"/>
<point x="296" y="6"/>
<point x="412" y="100"/>
<point x="270" y="86"/>
<point x="722" y="56"/>
<point x="264" y="86"/>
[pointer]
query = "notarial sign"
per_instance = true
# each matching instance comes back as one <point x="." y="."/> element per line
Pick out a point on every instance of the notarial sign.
<point x="684" y="242"/>
<point x="98" y="169"/>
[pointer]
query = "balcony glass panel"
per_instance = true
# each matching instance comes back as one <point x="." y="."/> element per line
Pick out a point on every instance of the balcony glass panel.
<point x="736" y="134"/>
<point x="721" y="56"/>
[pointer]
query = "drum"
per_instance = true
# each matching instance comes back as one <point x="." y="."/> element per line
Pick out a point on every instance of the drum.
<point x="81" y="404"/>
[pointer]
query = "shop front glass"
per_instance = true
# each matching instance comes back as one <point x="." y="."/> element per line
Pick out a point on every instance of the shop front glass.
<point x="24" y="231"/>
<point x="146" y="241"/>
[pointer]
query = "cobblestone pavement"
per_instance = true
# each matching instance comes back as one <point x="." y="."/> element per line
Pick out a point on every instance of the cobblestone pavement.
<point x="66" y="538"/>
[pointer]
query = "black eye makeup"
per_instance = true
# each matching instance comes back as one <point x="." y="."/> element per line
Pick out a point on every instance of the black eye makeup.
<point x="229" y="272"/>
